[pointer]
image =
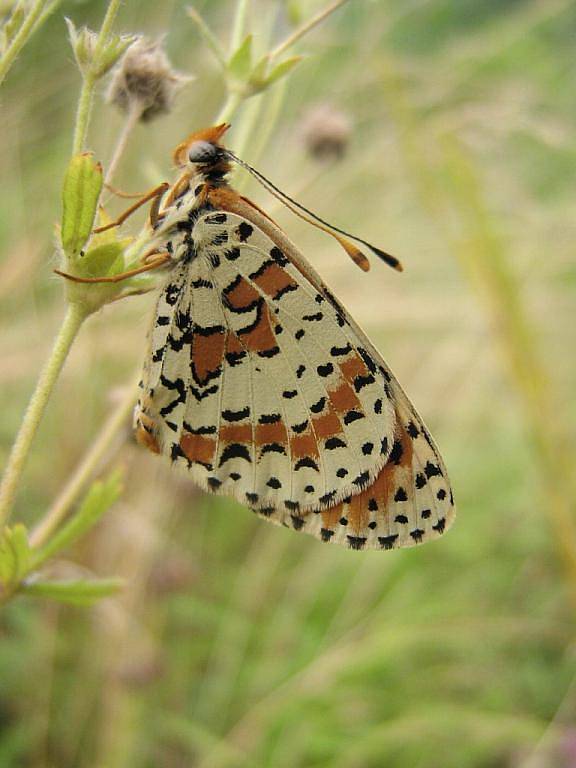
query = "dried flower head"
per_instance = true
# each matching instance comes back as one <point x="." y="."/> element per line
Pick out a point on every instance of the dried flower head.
<point x="144" y="81"/>
<point x="325" y="132"/>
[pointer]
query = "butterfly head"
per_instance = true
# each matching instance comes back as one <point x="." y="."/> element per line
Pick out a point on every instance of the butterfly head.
<point x="202" y="153"/>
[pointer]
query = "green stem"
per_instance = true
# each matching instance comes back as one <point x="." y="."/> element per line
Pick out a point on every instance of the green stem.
<point x="83" y="113"/>
<point x="132" y="118"/>
<point x="89" y="81"/>
<point x="233" y="101"/>
<point x="95" y="456"/>
<point x="305" y="28"/>
<point x="106" y="27"/>
<point x="21" y="37"/>
<point x="73" y="319"/>
<point x="239" y="25"/>
<point x="208" y="36"/>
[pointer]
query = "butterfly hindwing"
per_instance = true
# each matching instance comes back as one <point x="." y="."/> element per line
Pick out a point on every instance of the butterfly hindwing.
<point x="259" y="386"/>
<point x="410" y="502"/>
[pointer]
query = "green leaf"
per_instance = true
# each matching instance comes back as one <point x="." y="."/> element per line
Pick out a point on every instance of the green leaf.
<point x="258" y="74"/>
<point x="115" y="47"/>
<point x="74" y="592"/>
<point x="104" y="260"/>
<point x="98" y="500"/>
<point x="80" y="194"/>
<point x="241" y="61"/>
<point x="14" y="554"/>
<point x="282" y="69"/>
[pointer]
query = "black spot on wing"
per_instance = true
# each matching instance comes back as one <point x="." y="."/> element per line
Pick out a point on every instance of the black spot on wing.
<point x="340" y="351"/>
<point x="352" y="416"/>
<point x="334" y="442"/>
<point x="244" y="230"/>
<point x="387" y="542"/>
<point x="229" y="415"/>
<point x="325" y="370"/>
<point x="396" y="452"/>
<point x="400" y="495"/>
<point x="269" y="418"/>
<point x="306" y="461"/>
<point x="363" y="381"/>
<point x="273" y="448"/>
<point x="356" y="542"/>
<point x="319" y="406"/>
<point x="278" y="256"/>
<point x="235" y="451"/>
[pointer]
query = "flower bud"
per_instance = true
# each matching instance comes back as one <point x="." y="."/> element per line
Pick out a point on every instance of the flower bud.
<point x="84" y="44"/>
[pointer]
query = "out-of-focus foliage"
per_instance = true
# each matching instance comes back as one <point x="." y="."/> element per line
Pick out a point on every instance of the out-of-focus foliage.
<point x="238" y="644"/>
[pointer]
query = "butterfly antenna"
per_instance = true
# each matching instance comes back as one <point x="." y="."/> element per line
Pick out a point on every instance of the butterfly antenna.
<point x="355" y="254"/>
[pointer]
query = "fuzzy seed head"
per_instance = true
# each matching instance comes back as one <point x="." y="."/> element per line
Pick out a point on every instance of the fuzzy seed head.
<point x="325" y="132"/>
<point x="144" y="81"/>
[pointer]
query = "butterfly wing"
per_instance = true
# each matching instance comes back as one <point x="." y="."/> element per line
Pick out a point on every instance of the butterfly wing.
<point x="261" y="385"/>
<point x="410" y="502"/>
<point x="256" y="382"/>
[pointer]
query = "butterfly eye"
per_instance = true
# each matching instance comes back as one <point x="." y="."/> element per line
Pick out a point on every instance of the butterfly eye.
<point x="203" y="152"/>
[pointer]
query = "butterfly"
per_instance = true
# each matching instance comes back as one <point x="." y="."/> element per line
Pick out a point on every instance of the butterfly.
<point x="262" y="387"/>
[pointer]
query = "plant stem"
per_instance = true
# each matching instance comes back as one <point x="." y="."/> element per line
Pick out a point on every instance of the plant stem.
<point x="106" y="27"/>
<point x="208" y="36"/>
<point x="83" y="113"/>
<point x="75" y="316"/>
<point x="305" y="28"/>
<point x="131" y="121"/>
<point x="233" y="101"/>
<point x="21" y="37"/>
<point x="239" y="25"/>
<point x="99" y="450"/>
<point x="89" y="81"/>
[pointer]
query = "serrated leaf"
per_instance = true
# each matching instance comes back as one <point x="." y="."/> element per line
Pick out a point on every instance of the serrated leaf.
<point x="80" y="195"/>
<point x="73" y="592"/>
<point x="97" y="501"/>
<point x="241" y="61"/>
<point x="282" y="69"/>
<point x="15" y="554"/>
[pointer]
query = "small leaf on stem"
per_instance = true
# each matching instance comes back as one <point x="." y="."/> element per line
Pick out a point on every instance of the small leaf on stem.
<point x="14" y="554"/>
<point x="83" y="592"/>
<point x="80" y="195"/>
<point x="97" y="501"/>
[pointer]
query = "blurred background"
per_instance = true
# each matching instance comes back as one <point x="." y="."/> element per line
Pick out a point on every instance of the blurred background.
<point x="443" y="132"/>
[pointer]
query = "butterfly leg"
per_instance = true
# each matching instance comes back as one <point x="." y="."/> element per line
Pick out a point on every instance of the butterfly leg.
<point x="155" y="195"/>
<point x="160" y="260"/>
<point x="125" y="195"/>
